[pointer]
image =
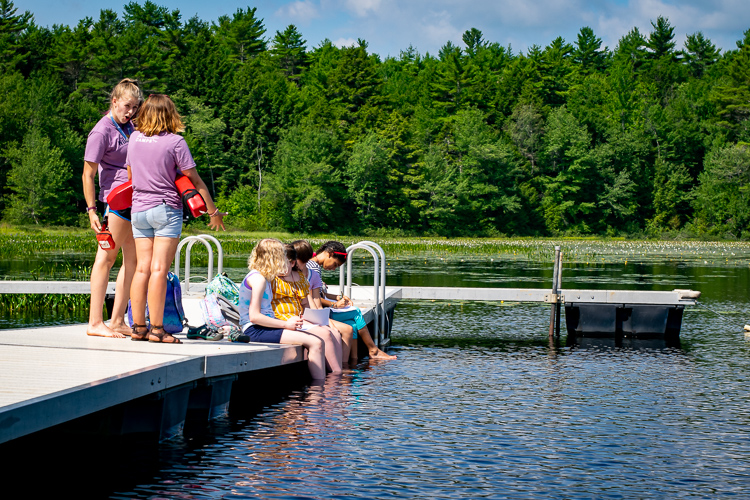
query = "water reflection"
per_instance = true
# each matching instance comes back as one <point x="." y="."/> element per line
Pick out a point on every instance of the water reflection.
<point x="481" y="403"/>
<point x="612" y="342"/>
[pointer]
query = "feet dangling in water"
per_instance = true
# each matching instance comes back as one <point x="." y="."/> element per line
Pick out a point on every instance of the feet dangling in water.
<point x="378" y="354"/>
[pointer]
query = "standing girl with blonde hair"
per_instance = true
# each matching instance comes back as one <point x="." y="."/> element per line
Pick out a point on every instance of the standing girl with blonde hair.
<point x="155" y="156"/>
<point x="106" y="150"/>
<point x="259" y="324"/>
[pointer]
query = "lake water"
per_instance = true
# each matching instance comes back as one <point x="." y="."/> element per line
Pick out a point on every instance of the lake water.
<point x="480" y="404"/>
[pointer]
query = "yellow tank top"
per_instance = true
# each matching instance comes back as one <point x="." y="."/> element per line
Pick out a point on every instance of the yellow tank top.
<point x="287" y="297"/>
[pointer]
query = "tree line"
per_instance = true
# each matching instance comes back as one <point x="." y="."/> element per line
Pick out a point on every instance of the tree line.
<point x="573" y="138"/>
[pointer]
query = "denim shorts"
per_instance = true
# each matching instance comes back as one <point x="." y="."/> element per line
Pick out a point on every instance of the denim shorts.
<point x="162" y="220"/>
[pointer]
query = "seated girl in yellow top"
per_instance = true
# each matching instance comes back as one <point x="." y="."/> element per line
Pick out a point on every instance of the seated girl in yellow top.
<point x="289" y="297"/>
<point x="290" y="293"/>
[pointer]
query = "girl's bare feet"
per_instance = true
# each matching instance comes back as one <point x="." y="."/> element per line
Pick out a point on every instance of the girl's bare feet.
<point x="121" y="328"/>
<point x="102" y="330"/>
<point x="378" y="354"/>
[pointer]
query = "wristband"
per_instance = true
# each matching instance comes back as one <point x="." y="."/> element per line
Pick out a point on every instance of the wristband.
<point x="89" y="209"/>
<point x="216" y="212"/>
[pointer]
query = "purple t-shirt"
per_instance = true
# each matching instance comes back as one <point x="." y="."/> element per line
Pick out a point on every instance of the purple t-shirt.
<point x="314" y="279"/>
<point x="107" y="147"/>
<point x="154" y="162"/>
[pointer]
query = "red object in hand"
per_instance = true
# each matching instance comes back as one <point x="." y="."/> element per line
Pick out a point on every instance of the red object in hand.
<point x="190" y="196"/>
<point x="104" y="237"/>
<point x="121" y="197"/>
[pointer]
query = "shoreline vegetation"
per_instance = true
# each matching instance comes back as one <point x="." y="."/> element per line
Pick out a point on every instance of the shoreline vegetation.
<point x="571" y="138"/>
<point x="31" y="242"/>
<point x="63" y="253"/>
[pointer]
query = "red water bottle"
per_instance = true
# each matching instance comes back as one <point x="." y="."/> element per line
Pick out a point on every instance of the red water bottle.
<point x="104" y="237"/>
<point x="190" y="196"/>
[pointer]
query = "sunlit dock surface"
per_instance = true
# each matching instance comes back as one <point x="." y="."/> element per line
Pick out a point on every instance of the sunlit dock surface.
<point x="56" y="374"/>
<point x="52" y="375"/>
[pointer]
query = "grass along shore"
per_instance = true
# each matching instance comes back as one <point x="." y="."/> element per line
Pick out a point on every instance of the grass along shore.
<point x="67" y="253"/>
<point x="34" y="242"/>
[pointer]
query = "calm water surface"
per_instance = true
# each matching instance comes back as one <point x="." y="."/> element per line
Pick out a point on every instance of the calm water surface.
<point x="479" y="404"/>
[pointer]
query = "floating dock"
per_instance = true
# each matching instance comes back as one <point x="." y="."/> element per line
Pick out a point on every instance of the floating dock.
<point x="53" y="375"/>
<point x="56" y="375"/>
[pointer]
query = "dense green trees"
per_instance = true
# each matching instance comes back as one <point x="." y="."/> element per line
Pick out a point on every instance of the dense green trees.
<point x="570" y="138"/>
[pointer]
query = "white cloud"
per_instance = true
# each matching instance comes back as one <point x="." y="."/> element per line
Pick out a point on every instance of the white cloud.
<point x="362" y="8"/>
<point x="300" y="12"/>
<point x="390" y="26"/>
<point x="437" y="28"/>
<point x="344" y="42"/>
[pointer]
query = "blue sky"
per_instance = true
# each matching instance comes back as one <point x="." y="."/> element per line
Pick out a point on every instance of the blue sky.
<point x="390" y="26"/>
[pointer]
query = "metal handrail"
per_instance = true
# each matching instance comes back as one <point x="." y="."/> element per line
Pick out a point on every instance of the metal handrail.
<point x="381" y="302"/>
<point x="190" y="241"/>
<point x="382" y="265"/>
<point x="378" y="332"/>
<point x="220" y="251"/>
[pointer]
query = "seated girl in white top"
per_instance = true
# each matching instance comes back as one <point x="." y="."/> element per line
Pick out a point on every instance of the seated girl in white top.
<point x="267" y="261"/>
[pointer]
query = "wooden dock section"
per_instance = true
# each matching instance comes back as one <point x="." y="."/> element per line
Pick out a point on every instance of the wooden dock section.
<point x="53" y="375"/>
<point x="674" y="297"/>
<point x="56" y="374"/>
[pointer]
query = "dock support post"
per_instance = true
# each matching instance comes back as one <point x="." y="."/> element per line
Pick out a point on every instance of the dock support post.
<point x="554" y="309"/>
<point x="558" y="303"/>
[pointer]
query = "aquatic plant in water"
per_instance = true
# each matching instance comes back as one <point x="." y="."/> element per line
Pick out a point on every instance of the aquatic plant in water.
<point x="39" y="303"/>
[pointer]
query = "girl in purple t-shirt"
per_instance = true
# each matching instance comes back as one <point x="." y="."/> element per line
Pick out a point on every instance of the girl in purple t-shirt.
<point x="106" y="148"/>
<point x="155" y="155"/>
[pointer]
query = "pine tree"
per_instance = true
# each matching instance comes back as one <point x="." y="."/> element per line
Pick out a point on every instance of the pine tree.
<point x="733" y="97"/>
<point x="12" y="26"/>
<point x="588" y="53"/>
<point x="289" y="52"/>
<point x="661" y="40"/>
<point x="106" y="54"/>
<point x="474" y="41"/>
<point x="557" y="72"/>
<point x="631" y="49"/>
<point x="70" y="54"/>
<point x="242" y="34"/>
<point x="699" y="54"/>
<point x="745" y="39"/>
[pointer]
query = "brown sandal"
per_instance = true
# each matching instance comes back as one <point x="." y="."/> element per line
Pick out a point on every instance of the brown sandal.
<point x="139" y="335"/>
<point x="163" y="337"/>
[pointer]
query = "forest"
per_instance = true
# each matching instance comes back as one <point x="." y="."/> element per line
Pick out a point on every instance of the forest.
<point x="647" y="138"/>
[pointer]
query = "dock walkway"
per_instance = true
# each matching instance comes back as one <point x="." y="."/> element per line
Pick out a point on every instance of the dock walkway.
<point x="52" y="375"/>
<point x="56" y="374"/>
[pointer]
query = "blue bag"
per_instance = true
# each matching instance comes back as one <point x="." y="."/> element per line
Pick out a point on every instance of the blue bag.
<point x="174" y="315"/>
